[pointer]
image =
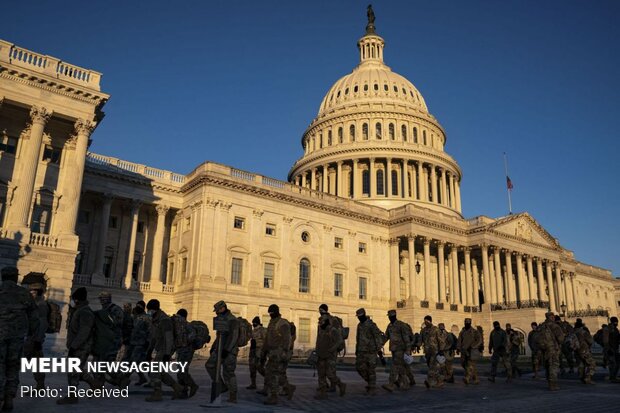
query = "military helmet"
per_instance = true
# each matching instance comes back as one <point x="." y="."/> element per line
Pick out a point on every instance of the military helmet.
<point x="360" y="312"/>
<point x="217" y="306"/>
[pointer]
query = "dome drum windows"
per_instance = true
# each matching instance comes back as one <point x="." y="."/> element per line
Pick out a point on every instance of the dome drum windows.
<point x="340" y="135"/>
<point x="380" y="184"/>
<point x="378" y="132"/>
<point x="391" y="132"/>
<point x="329" y="138"/>
<point x="352" y="133"/>
<point x="415" y="135"/>
<point x="365" y="131"/>
<point x="403" y="132"/>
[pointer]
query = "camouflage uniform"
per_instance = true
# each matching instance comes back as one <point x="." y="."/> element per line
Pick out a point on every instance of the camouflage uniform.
<point x="611" y="340"/>
<point x="566" y="350"/>
<point x="80" y="325"/>
<point x="328" y="341"/>
<point x="468" y="340"/>
<point x="107" y="351"/>
<point x="430" y="338"/>
<point x="185" y="354"/>
<point x="256" y="345"/>
<point x="586" y="363"/>
<point x="33" y="347"/>
<point x="400" y="341"/>
<point x="366" y="349"/>
<point x="446" y="341"/>
<point x="550" y="341"/>
<point x="498" y="345"/>
<point x="275" y="351"/>
<point x="139" y="341"/>
<point x="161" y="347"/>
<point x="536" y="353"/>
<point x="18" y="319"/>
<point x="514" y="345"/>
<point x="229" y="354"/>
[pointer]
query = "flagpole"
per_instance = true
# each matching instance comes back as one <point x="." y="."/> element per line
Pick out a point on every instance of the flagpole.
<point x="507" y="188"/>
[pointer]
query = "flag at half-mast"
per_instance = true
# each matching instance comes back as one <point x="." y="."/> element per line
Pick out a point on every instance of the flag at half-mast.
<point x="508" y="183"/>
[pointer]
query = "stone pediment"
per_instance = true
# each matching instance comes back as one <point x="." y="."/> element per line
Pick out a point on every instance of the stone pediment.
<point x="525" y="227"/>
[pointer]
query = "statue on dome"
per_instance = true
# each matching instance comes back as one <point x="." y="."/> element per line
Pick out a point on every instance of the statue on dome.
<point x="370" y="27"/>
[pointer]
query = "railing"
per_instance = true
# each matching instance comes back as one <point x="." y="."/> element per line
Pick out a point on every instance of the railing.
<point x="82" y="279"/>
<point x="167" y="288"/>
<point x="237" y="173"/>
<point x="144" y="286"/>
<point x="515" y="305"/>
<point x="43" y="240"/>
<point x="48" y="65"/>
<point x="588" y="313"/>
<point x="119" y="165"/>
<point x="5" y="233"/>
<point x="113" y="282"/>
<point x="273" y="182"/>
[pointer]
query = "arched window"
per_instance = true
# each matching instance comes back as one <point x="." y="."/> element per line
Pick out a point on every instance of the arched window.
<point x="365" y="131"/>
<point x="352" y="133"/>
<point x="340" y="138"/>
<point x="329" y="138"/>
<point x="304" y="276"/>
<point x="378" y="130"/>
<point x="394" y="183"/>
<point x="366" y="182"/>
<point x="424" y="137"/>
<point x="391" y="131"/>
<point x="403" y="132"/>
<point x="376" y="86"/>
<point x="380" y="182"/>
<point x="415" y="135"/>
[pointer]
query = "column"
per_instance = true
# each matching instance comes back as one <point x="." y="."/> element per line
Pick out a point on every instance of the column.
<point x="339" y="188"/>
<point x="493" y="298"/>
<point x="394" y="264"/>
<point x="572" y="284"/>
<point x="457" y="195"/>
<point x="325" y="178"/>
<point x="452" y="197"/>
<point x="501" y="295"/>
<point x="103" y="233"/>
<point x="354" y="189"/>
<point x="441" y="271"/>
<point x="455" y="293"/>
<point x="427" y="269"/>
<point x="135" y="211"/>
<point x="313" y="179"/>
<point x="566" y="294"/>
<point x="552" y="303"/>
<point x="468" y="279"/>
<point x="158" y="244"/>
<point x="530" y="277"/>
<point x="522" y="287"/>
<point x="70" y="181"/>
<point x="414" y="182"/>
<point x="372" y="179"/>
<point x="434" y="184"/>
<point x="541" y="280"/>
<point x="18" y="213"/>
<point x="412" y="273"/>
<point x="303" y="178"/>
<point x="404" y="175"/>
<point x="388" y="176"/>
<point x="486" y="279"/>
<point x="508" y="277"/>
<point x="558" y="280"/>
<point x="444" y="198"/>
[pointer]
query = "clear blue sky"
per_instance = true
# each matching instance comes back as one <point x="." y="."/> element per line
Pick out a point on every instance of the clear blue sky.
<point x="237" y="82"/>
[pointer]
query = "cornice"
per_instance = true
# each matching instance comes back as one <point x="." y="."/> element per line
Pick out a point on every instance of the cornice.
<point x="142" y="181"/>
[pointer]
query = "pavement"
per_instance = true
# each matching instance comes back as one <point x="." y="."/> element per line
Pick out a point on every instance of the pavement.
<point x="522" y="395"/>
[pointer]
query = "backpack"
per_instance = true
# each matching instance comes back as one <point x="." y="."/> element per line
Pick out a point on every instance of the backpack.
<point x="54" y="318"/>
<point x="379" y="336"/>
<point x="572" y="342"/>
<point x="544" y="338"/>
<point x="598" y="337"/>
<point x="344" y="331"/>
<point x="201" y="334"/>
<point x="105" y="339"/>
<point x="245" y="332"/>
<point x="180" y="332"/>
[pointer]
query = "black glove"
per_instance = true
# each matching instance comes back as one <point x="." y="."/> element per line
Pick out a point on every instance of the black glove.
<point x="166" y="358"/>
<point x="224" y="354"/>
<point x="71" y="352"/>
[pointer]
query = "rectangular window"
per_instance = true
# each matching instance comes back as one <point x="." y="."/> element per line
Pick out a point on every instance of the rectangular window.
<point x="140" y="227"/>
<point x="239" y="223"/>
<point x="270" y="229"/>
<point x="135" y="267"/>
<point x="338" y="243"/>
<point x="303" y="332"/>
<point x="51" y="154"/>
<point x="362" y="248"/>
<point x="113" y="222"/>
<point x="107" y="265"/>
<point x="268" y="277"/>
<point x="171" y="272"/>
<point x="235" y="273"/>
<point x="338" y="285"/>
<point x="184" y="267"/>
<point x="83" y="217"/>
<point x="363" y="288"/>
<point x="8" y="144"/>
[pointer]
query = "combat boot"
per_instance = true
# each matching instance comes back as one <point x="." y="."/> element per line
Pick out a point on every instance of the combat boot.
<point x="178" y="392"/>
<point x="193" y="388"/>
<point x="271" y="400"/>
<point x="290" y="390"/>
<point x="252" y="385"/>
<point x="8" y="403"/>
<point x="156" y="395"/>
<point x="371" y="390"/>
<point x="343" y="388"/>
<point x="389" y="387"/>
<point x="321" y="395"/>
<point x="67" y="400"/>
<point x="232" y="397"/>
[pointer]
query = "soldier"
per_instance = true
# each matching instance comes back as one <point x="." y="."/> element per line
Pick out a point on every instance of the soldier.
<point x="274" y="354"/>
<point x="498" y="347"/>
<point x="400" y="343"/>
<point x="329" y="340"/>
<point x="139" y="340"/>
<point x="126" y="328"/>
<point x="33" y="347"/>
<point x="549" y="341"/>
<point x="256" y="346"/>
<point x="447" y="342"/>
<point x="162" y="344"/>
<point x="80" y="325"/>
<point x="566" y="352"/>
<point x="369" y="341"/>
<point x="229" y="339"/>
<point x="109" y="319"/>
<point x="336" y="322"/>
<point x="185" y="353"/>
<point x="514" y="345"/>
<point x="536" y="354"/>
<point x="432" y="345"/>
<point x="468" y="344"/>
<point x="586" y="363"/>
<point x="18" y="319"/>
<point x="611" y="341"/>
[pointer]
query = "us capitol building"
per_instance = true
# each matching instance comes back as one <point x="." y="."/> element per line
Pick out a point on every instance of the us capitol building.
<point x="370" y="216"/>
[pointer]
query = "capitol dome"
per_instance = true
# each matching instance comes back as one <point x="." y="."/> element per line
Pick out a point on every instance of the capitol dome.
<point x="374" y="140"/>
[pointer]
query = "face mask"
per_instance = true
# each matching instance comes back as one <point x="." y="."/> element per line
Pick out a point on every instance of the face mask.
<point x="362" y="318"/>
<point x="151" y="313"/>
<point x="254" y="325"/>
<point x="392" y="318"/>
<point x="497" y="328"/>
<point x="72" y="303"/>
<point x="273" y="315"/>
<point x="467" y="326"/>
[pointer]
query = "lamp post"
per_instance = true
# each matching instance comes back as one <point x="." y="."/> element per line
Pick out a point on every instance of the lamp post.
<point x="417" y="267"/>
<point x="447" y="294"/>
<point x="563" y="308"/>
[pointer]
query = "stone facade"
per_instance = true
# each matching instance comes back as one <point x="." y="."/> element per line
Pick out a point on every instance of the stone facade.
<point x="371" y="215"/>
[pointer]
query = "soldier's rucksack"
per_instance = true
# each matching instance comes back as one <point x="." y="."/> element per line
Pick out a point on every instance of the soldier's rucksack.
<point x="245" y="332"/>
<point x="344" y="331"/>
<point x="180" y="332"/>
<point x="544" y="337"/>
<point x="54" y="317"/>
<point x="105" y="340"/>
<point x="379" y="336"/>
<point x="201" y="334"/>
